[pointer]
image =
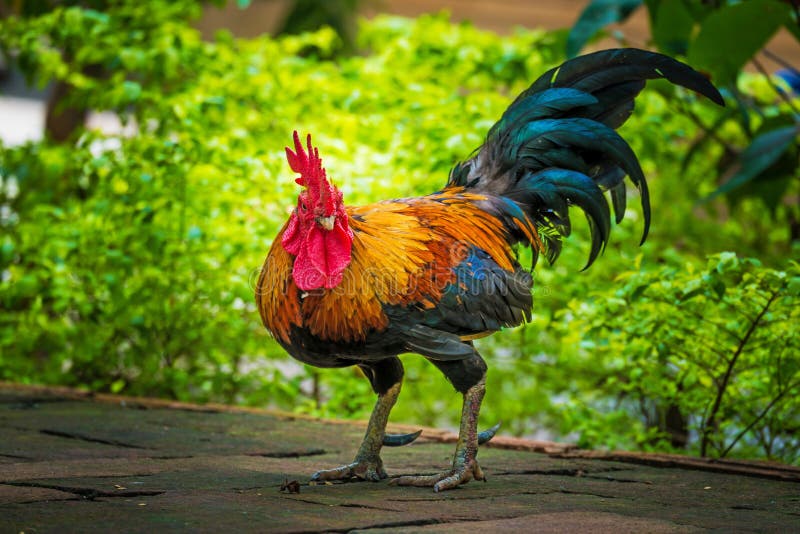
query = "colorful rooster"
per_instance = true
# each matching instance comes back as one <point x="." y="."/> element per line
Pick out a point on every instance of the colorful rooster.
<point x="359" y="285"/>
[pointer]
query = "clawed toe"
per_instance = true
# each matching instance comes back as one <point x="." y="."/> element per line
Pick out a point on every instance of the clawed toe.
<point x="371" y="470"/>
<point x="419" y="480"/>
<point x="460" y="476"/>
<point x="444" y="481"/>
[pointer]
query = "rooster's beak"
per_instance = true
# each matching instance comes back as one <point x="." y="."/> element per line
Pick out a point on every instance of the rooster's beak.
<point x="327" y="222"/>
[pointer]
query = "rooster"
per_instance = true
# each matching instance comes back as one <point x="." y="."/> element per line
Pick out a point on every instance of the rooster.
<point x="359" y="285"/>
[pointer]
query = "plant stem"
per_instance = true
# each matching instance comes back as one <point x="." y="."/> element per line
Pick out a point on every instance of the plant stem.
<point x="779" y="60"/>
<point x="781" y="93"/>
<point x="712" y="417"/>
<point x="708" y="131"/>
<point x="757" y="419"/>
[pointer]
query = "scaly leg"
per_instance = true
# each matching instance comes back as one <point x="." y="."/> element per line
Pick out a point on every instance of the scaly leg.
<point x="385" y="377"/>
<point x="465" y="461"/>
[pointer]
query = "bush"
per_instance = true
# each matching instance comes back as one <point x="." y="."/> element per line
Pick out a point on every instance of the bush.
<point x="707" y="359"/>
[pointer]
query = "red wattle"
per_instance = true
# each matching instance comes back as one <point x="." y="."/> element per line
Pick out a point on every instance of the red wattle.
<point x="305" y="275"/>
<point x="322" y="258"/>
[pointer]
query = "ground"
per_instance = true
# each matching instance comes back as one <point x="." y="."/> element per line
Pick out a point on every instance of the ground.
<point x="72" y="462"/>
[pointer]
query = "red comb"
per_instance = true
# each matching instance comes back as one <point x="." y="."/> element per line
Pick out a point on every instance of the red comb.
<point x="308" y="164"/>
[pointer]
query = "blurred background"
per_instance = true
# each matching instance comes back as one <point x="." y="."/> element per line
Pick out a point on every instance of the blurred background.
<point x="501" y="16"/>
<point x="25" y="119"/>
<point x="142" y="179"/>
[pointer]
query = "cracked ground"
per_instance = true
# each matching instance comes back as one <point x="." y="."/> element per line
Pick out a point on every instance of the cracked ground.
<point x="73" y="463"/>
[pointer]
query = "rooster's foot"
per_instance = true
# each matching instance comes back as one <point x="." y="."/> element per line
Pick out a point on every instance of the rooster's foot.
<point x="365" y="469"/>
<point x="460" y="474"/>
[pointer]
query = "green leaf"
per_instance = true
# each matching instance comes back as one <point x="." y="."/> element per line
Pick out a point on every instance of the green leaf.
<point x="6" y="250"/>
<point x="243" y="4"/>
<point x="194" y="233"/>
<point x="758" y="157"/>
<point x="715" y="283"/>
<point x="732" y="35"/>
<point x="688" y="295"/>
<point x="698" y="146"/>
<point x="96" y="16"/>
<point x="117" y="385"/>
<point x="793" y="286"/>
<point x="131" y="91"/>
<point x="672" y="27"/>
<point x="597" y="15"/>
<point x="794" y="28"/>
<point x="652" y="9"/>
<point x="637" y="293"/>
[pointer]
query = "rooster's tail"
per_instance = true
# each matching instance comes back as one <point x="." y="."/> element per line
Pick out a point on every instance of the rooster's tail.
<point x="555" y="146"/>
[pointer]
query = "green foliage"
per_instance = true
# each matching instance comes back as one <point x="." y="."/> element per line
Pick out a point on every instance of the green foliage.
<point x="729" y="37"/>
<point x="762" y="154"/>
<point x="705" y="358"/>
<point x="126" y="262"/>
<point x="672" y="26"/>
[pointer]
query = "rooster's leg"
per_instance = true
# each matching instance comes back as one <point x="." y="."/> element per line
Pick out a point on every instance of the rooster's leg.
<point x="469" y="377"/>
<point x="385" y="377"/>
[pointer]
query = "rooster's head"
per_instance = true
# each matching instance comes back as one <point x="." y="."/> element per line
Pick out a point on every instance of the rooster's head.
<point x="318" y="233"/>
